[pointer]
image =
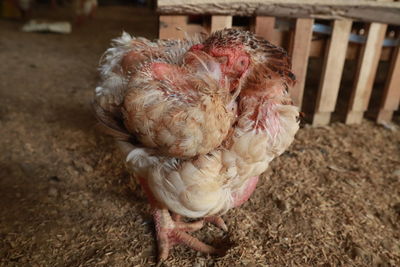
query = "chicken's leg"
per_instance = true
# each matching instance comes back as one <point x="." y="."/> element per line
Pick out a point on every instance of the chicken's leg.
<point x="170" y="233"/>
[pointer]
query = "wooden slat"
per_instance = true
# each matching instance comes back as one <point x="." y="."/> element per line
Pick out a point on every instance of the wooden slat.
<point x="391" y="95"/>
<point x="265" y="27"/>
<point x="172" y="27"/>
<point x="220" y="22"/>
<point x="332" y="72"/>
<point x="300" y="51"/>
<point x="366" y="71"/>
<point x="193" y="29"/>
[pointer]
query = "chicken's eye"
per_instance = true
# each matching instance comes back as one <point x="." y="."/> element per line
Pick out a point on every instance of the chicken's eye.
<point x="242" y="63"/>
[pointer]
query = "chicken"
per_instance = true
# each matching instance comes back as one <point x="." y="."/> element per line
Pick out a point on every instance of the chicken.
<point x="84" y="9"/>
<point x="23" y="6"/>
<point x="198" y="120"/>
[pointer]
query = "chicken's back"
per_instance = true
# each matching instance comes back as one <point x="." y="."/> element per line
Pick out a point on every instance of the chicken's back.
<point x="178" y="106"/>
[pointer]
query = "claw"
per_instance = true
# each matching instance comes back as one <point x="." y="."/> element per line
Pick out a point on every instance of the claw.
<point x="217" y="221"/>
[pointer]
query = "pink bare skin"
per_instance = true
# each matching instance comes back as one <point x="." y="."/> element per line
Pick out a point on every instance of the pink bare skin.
<point x="234" y="61"/>
<point x="165" y="71"/>
<point x="179" y="76"/>
<point x="251" y="186"/>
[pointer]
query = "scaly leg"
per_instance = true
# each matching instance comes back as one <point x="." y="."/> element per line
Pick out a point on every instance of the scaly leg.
<point x="170" y="233"/>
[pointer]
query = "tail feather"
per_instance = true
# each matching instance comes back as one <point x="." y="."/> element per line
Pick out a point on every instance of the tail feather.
<point x="110" y="123"/>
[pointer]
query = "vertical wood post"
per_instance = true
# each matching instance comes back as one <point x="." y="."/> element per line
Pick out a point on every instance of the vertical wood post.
<point x="332" y="72"/>
<point x="220" y="22"/>
<point x="366" y="71"/>
<point x="391" y="94"/>
<point x="300" y="52"/>
<point x="172" y="27"/>
<point x="265" y="27"/>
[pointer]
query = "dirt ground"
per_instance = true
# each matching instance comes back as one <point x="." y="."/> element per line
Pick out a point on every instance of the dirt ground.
<point x="66" y="199"/>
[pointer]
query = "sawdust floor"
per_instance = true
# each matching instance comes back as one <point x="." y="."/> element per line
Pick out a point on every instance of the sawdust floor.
<point x="66" y="198"/>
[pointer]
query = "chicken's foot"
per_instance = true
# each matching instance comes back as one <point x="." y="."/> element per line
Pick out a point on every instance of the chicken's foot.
<point x="170" y="233"/>
<point x="216" y="220"/>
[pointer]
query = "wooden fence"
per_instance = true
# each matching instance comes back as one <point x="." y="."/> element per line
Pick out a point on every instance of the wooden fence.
<point x="298" y="40"/>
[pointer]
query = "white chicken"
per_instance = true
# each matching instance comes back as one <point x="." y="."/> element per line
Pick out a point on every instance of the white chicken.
<point x="83" y="8"/>
<point x="198" y="120"/>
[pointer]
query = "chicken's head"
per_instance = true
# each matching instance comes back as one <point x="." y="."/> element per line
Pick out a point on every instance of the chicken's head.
<point x="232" y="56"/>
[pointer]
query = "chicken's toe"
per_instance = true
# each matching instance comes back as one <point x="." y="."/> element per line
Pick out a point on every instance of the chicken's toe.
<point x="217" y="221"/>
<point x="197" y="225"/>
<point x="170" y="233"/>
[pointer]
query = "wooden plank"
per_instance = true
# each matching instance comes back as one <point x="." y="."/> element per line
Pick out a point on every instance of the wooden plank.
<point x="172" y="27"/>
<point x="193" y="29"/>
<point x="300" y="50"/>
<point x="363" y="10"/>
<point x="352" y="50"/>
<point x="265" y="28"/>
<point x="220" y="22"/>
<point x="366" y="71"/>
<point x="391" y="95"/>
<point x="332" y="72"/>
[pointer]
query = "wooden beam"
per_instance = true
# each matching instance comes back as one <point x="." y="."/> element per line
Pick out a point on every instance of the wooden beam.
<point x="332" y="72"/>
<point x="172" y="27"/>
<point x="363" y="10"/>
<point x="391" y="95"/>
<point x="300" y="50"/>
<point x="220" y="22"/>
<point x="366" y="71"/>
